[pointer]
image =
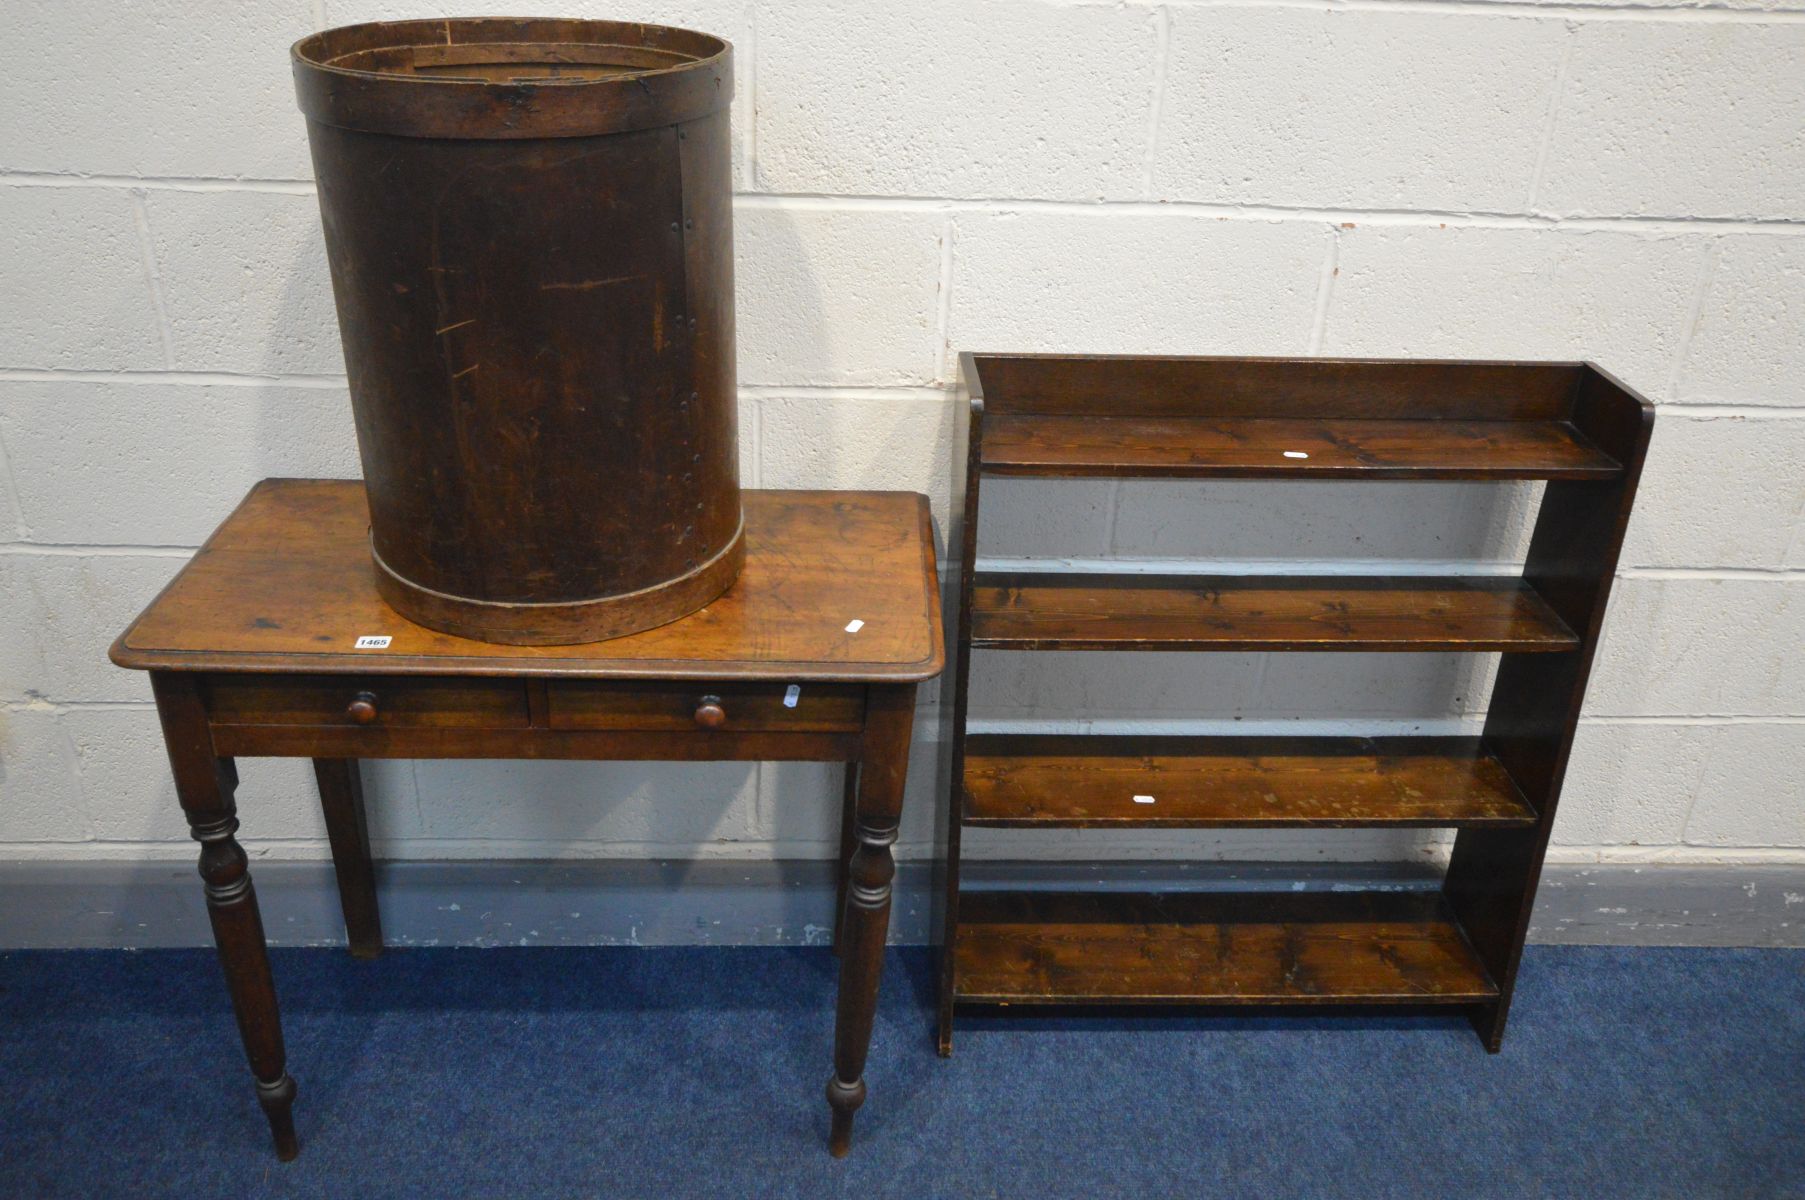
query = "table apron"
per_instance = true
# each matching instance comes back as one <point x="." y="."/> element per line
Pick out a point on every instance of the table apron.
<point x="711" y="745"/>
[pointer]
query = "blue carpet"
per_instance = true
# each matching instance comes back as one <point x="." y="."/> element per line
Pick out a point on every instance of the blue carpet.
<point x="699" y="1072"/>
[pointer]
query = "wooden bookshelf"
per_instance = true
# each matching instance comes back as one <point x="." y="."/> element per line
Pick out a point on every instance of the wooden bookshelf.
<point x="1102" y="782"/>
<point x="1030" y="610"/>
<point x="1219" y="948"/>
<point x="1064" y="416"/>
<point x="1186" y="448"/>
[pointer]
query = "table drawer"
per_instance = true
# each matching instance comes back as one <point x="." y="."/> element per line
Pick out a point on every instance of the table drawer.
<point x="815" y="707"/>
<point x="371" y="702"/>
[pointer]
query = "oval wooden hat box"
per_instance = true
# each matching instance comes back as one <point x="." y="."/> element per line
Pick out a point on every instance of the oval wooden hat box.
<point x="529" y="224"/>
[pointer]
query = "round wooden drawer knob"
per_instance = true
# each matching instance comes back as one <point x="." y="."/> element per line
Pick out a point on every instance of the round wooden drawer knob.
<point x="710" y="714"/>
<point x="362" y="708"/>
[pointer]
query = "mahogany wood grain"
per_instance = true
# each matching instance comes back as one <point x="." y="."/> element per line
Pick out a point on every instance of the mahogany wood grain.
<point x="967" y="476"/>
<point x="682" y="76"/>
<point x="285" y="586"/>
<point x="1054" y="415"/>
<point x="1052" y="611"/>
<point x="1108" y="385"/>
<point x="1110" y="782"/>
<point x="1320" y="448"/>
<point x="205" y="783"/>
<point x="865" y="922"/>
<point x="348" y="830"/>
<point x="1536" y="701"/>
<point x="1215" y="947"/>
<point x="818" y="707"/>
<point x="849" y="843"/>
<point x="529" y="225"/>
<point x="249" y="650"/>
<point x="370" y="701"/>
<point x="631" y="745"/>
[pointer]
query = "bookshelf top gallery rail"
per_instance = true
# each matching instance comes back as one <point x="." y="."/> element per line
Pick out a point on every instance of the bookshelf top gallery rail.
<point x="1300" y="418"/>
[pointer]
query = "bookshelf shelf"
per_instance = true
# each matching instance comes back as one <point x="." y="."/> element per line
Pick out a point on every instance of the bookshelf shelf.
<point x="1069" y="416"/>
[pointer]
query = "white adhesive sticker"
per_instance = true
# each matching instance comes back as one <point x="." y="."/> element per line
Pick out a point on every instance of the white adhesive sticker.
<point x="1143" y="799"/>
<point x="370" y="641"/>
<point x="792" y="694"/>
<point x="854" y="626"/>
<point x="1296" y="454"/>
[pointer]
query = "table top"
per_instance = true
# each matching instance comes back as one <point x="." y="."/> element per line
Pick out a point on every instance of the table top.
<point x="286" y="585"/>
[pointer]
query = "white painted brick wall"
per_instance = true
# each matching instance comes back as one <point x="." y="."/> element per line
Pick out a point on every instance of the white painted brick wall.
<point x="76" y="294"/>
<point x="1638" y="782"/>
<point x="40" y="789"/>
<point x="1679" y="119"/>
<point x="1133" y="283"/>
<point x="951" y="98"/>
<point x="1702" y="646"/>
<point x="127" y="797"/>
<point x="61" y="609"/>
<point x="650" y="806"/>
<point x="902" y="444"/>
<point x="141" y="446"/>
<point x="1751" y="322"/>
<point x="242" y="277"/>
<point x="844" y="297"/>
<point x="1617" y="297"/>
<point x="1720" y="488"/>
<point x="1327" y="108"/>
<point x="1623" y="182"/>
<point x="153" y="87"/>
<point x="1749" y="794"/>
<point x="1276" y="522"/>
<point x="1035" y="518"/>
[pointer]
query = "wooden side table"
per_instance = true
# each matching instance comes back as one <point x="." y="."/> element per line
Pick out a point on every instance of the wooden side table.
<point x="273" y="641"/>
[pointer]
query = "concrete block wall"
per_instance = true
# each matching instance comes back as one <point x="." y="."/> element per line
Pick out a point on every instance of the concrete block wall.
<point x="1622" y="182"/>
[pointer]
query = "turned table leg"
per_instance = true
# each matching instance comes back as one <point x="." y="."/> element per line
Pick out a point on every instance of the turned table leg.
<point x="849" y="842"/>
<point x="865" y="922"/>
<point x="347" y="828"/>
<point x="205" y="785"/>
